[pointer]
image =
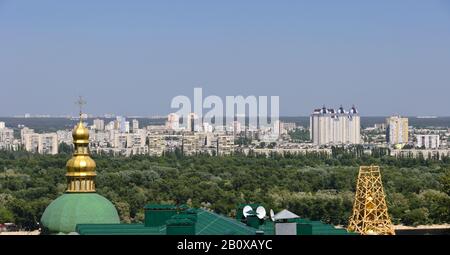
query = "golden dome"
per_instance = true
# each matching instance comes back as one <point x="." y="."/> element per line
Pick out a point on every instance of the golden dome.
<point x="81" y="164"/>
<point x="81" y="167"/>
<point x="80" y="134"/>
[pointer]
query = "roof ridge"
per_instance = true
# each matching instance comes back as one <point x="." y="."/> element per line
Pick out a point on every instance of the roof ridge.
<point x="230" y="220"/>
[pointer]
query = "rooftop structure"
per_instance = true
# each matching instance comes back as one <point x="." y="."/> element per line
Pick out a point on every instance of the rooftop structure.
<point x="163" y="219"/>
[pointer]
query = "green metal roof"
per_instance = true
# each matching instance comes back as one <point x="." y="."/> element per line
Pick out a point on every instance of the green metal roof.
<point x="268" y="227"/>
<point x="191" y="217"/>
<point x="320" y="228"/>
<point x="191" y="211"/>
<point x="70" y="209"/>
<point x="161" y="207"/>
<point x="208" y="223"/>
<point x="119" y="229"/>
<point x="180" y="221"/>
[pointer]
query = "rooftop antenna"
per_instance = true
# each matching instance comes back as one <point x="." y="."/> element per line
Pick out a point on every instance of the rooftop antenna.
<point x="246" y="211"/>
<point x="272" y="215"/>
<point x="260" y="212"/>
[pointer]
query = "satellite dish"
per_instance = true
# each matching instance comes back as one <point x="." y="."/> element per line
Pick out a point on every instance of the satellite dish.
<point x="272" y="215"/>
<point x="246" y="210"/>
<point x="260" y="212"/>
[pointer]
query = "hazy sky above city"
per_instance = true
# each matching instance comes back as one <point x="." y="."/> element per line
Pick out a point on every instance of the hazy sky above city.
<point x="133" y="57"/>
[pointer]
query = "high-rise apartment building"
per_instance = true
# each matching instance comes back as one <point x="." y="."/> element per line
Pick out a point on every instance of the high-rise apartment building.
<point x="121" y="124"/>
<point x="173" y="121"/>
<point x="110" y="126"/>
<point x="134" y="125"/>
<point x="48" y="143"/>
<point x="25" y="131"/>
<point x="237" y="129"/>
<point x="156" y="145"/>
<point x="6" y="137"/>
<point x="64" y="136"/>
<point x="207" y="128"/>
<point x="30" y="142"/>
<point x="190" y="144"/>
<point x="277" y="127"/>
<point x="40" y="143"/>
<point x="427" y="141"/>
<point x="99" y="124"/>
<point x="397" y="130"/>
<point x="330" y="126"/>
<point x="127" y="127"/>
<point x="225" y="144"/>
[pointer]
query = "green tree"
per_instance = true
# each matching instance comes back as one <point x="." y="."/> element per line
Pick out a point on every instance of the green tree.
<point x="64" y="148"/>
<point x="299" y="135"/>
<point x="445" y="182"/>
<point x="6" y="215"/>
<point x="24" y="215"/>
<point x="415" y="217"/>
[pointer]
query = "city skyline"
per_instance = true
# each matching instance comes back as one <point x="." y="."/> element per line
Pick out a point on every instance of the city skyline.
<point x="384" y="57"/>
<point x="112" y="115"/>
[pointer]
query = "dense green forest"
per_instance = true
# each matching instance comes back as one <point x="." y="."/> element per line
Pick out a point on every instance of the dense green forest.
<point x="315" y="186"/>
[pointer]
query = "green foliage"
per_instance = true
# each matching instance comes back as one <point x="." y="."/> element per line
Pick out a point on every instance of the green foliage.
<point x="445" y="181"/>
<point x="418" y="216"/>
<point x="64" y="148"/>
<point x="327" y="206"/>
<point x="314" y="185"/>
<point x="299" y="135"/>
<point x="438" y="205"/>
<point x="6" y="215"/>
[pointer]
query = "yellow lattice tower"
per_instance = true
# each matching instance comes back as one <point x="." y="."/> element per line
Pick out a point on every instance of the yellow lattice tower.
<point x="370" y="213"/>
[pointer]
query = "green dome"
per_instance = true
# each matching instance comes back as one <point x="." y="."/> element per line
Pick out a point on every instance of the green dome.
<point x="70" y="209"/>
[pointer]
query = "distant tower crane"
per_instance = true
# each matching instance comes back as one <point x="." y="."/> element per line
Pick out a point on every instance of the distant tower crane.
<point x="370" y="213"/>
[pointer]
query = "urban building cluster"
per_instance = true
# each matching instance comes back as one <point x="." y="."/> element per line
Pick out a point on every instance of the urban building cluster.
<point x="46" y="143"/>
<point x="328" y="127"/>
<point x="404" y="140"/>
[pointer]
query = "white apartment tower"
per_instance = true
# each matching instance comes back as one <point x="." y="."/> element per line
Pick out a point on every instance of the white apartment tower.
<point x="135" y="125"/>
<point x="328" y="126"/>
<point x="41" y="143"/>
<point x="173" y="121"/>
<point x="277" y="127"/>
<point x="397" y="130"/>
<point x="236" y="127"/>
<point x="99" y="124"/>
<point x="6" y="137"/>
<point x="427" y="141"/>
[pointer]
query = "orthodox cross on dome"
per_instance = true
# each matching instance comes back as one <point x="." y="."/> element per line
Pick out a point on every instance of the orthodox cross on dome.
<point x="81" y="102"/>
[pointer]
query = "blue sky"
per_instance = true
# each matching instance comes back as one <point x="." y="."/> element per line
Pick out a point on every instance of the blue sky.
<point x="133" y="57"/>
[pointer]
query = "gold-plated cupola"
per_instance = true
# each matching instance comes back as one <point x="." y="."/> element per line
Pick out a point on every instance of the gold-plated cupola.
<point x="81" y="167"/>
